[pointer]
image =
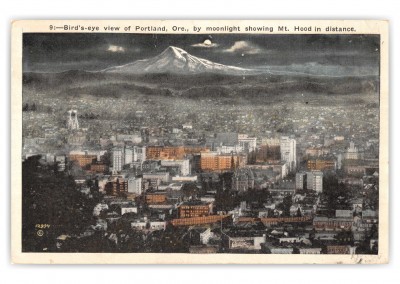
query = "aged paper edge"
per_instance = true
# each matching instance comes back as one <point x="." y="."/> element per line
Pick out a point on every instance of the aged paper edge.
<point x="362" y="27"/>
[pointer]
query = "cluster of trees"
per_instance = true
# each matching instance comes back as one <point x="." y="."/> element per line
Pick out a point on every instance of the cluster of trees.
<point x="227" y="200"/>
<point x="34" y="107"/>
<point x="336" y="194"/>
<point x="90" y="115"/>
<point x="172" y="240"/>
<point x="29" y="107"/>
<point x="285" y="205"/>
<point x="50" y="199"/>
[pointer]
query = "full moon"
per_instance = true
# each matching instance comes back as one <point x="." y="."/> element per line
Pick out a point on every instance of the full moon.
<point x="207" y="42"/>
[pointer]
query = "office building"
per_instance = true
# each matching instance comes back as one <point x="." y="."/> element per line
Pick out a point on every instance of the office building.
<point x="315" y="181"/>
<point x="288" y="151"/>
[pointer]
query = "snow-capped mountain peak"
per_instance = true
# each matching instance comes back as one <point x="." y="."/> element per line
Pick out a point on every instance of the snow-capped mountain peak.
<point x="176" y="60"/>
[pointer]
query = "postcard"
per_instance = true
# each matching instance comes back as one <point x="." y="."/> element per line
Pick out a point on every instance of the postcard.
<point x="200" y="142"/>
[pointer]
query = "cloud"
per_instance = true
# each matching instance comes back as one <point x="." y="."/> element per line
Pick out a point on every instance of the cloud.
<point x="244" y="47"/>
<point x="206" y="44"/>
<point x="115" y="48"/>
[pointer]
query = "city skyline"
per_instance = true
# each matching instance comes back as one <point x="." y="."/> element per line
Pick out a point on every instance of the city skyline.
<point x="221" y="144"/>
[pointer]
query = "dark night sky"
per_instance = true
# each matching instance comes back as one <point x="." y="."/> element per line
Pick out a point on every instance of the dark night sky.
<point x="60" y="52"/>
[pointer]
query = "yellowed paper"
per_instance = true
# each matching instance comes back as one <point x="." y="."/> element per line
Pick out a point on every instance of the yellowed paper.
<point x="200" y="142"/>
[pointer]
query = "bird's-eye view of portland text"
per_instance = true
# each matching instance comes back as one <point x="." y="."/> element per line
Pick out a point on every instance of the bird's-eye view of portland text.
<point x="201" y="144"/>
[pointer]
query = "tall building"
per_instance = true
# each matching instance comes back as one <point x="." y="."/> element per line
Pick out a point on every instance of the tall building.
<point x="195" y="209"/>
<point x="165" y="152"/>
<point x="134" y="154"/>
<point x="116" y="186"/>
<point x="145" y="134"/>
<point x="139" y="154"/>
<point x="288" y="151"/>
<point x="118" y="157"/>
<point x="212" y="161"/>
<point x="301" y="180"/>
<point x="269" y="151"/>
<point x="135" y="185"/>
<point x="352" y="152"/>
<point x="321" y="164"/>
<point x="60" y="161"/>
<point x="249" y="144"/>
<point x="72" y="123"/>
<point x="128" y="155"/>
<point x="242" y="180"/>
<point x="82" y="159"/>
<point x="315" y="180"/>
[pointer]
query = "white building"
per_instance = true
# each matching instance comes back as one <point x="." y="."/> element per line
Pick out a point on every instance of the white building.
<point x="279" y="250"/>
<point x="72" y="123"/>
<point x="352" y="152"/>
<point x="288" y="151"/>
<point x="310" y="250"/>
<point x="146" y="224"/>
<point x="289" y="240"/>
<point x="184" y="165"/>
<point x="185" y="178"/>
<point x="271" y="141"/>
<point x="102" y="181"/>
<point x="139" y="153"/>
<point x="61" y="162"/>
<point x="315" y="180"/>
<point x="161" y="176"/>
<point x="139" y="225"/>
<point x="187" y="126"/>
<point x="224" y="149"/>
<point x="158" y="225"/>
<point x="98" y="208"/>
<point x="248" y="144"/>
<point x="118" y="158"/>
<point x="300" y="180"/>
<point x="206" y="236"/>
<point x="135" y="154"/>
<point x="135" y="138"/>
<point x="130" y="209"/>
<point x="343" y="213"/>
<point x="135" y="185"/>
<point x="128" y="155"/>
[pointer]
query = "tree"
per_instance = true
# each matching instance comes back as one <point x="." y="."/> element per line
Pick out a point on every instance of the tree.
<point x="189" y="189"/>
<point x="98" y="242"/>
<point x="336" y="194"/>
<point x="373" y="233"/>
<point x="258" y="197"/>
<point x="171" y="240"/>
<point x="252" y="157"/>
<point x="52" y="200"/>
<point x="298" y="214"/>
<point x="226" y="200"/>
<point x="285" y="205"/>
<point x="345" y="238"/>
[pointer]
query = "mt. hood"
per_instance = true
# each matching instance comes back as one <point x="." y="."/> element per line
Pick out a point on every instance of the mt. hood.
<point x="176" y="60"/>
